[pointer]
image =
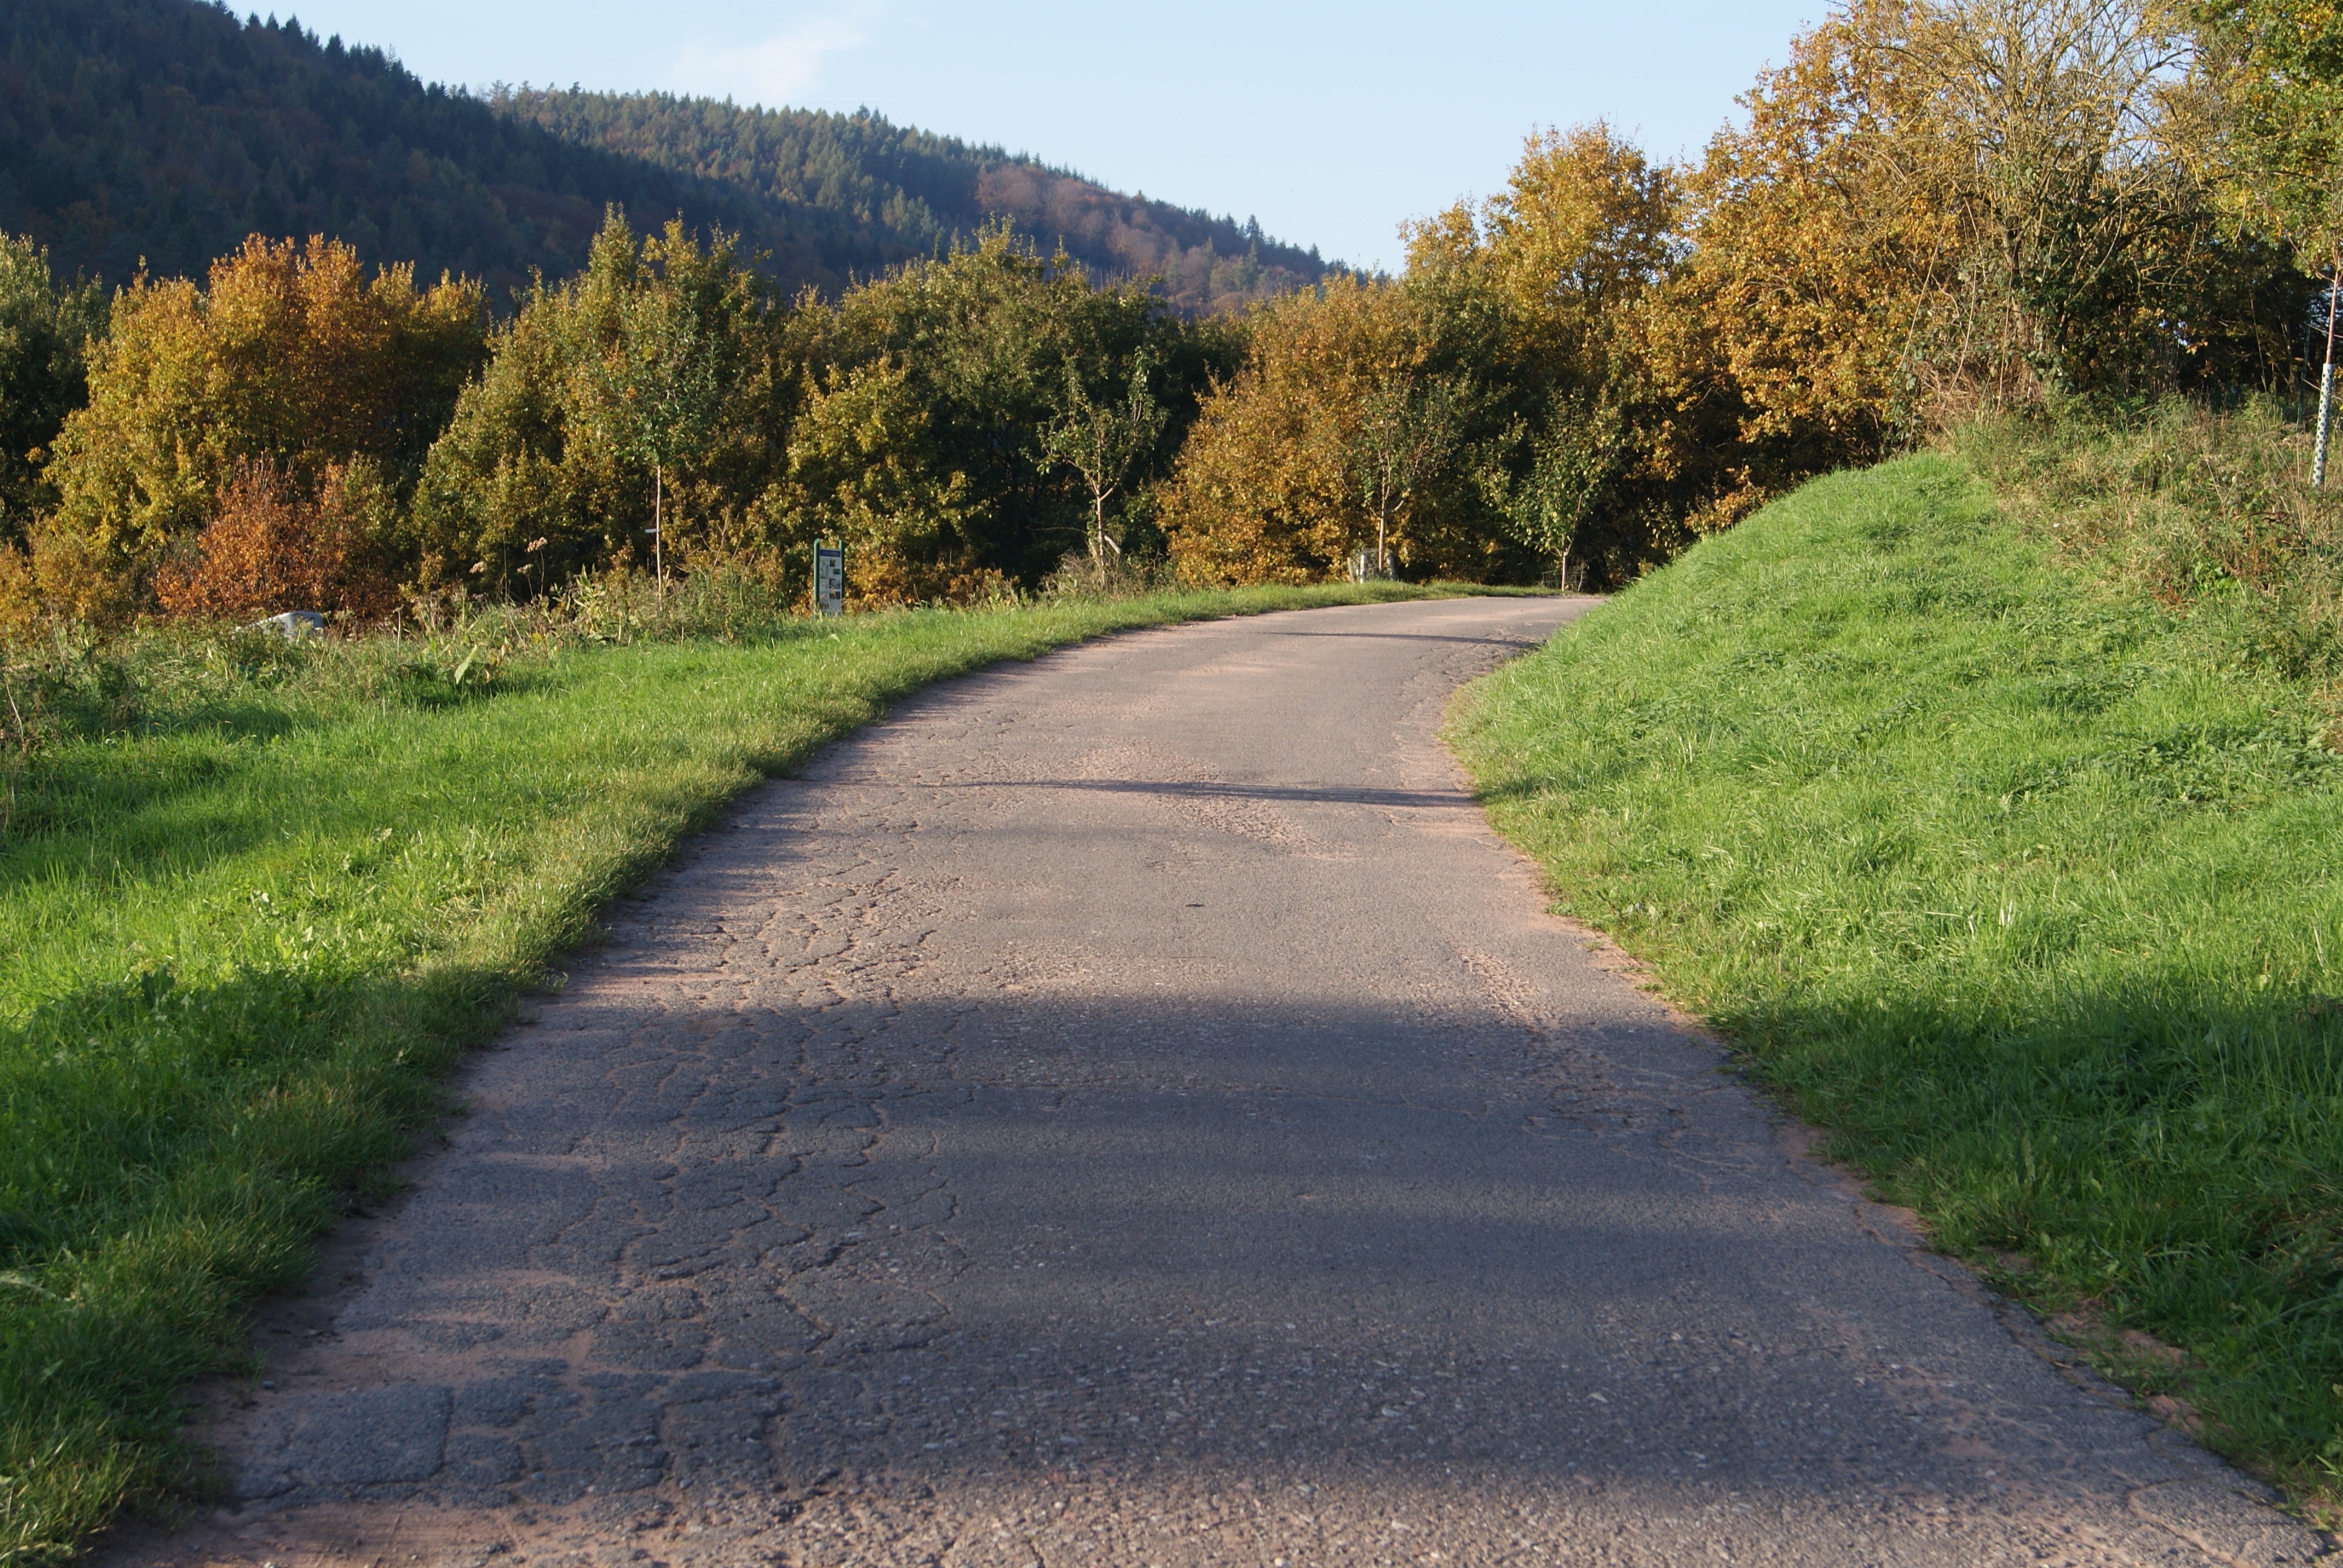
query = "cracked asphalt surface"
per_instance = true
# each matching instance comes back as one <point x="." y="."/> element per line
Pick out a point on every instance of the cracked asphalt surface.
<point x="1130" y="1109"/>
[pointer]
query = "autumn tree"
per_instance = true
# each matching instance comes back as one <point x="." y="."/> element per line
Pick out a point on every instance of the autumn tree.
<point x="1265" y="489"/>
<point x="2273" y="140"/>
<point x="911" y="417"/>
<point x="290" y="353"/>
<point x="1811" y="263"/>
<point x="272" y="547"/>
<point x="657" y="365"/>
<point x="986" y="337"/>
<point x="2045" y="133"/>
<point x="1583" y="230"/>
<point x="1936" y="205"/>
<point x="1440" y="420"/>
<point x="2275" y="68"/>
<point x="1602" y="433"/>
<point x="866" y="469"/>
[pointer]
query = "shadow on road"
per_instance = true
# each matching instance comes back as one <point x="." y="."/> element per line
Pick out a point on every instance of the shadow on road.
<point x="1214" y="789"/>
<point x="1180" y="1245"/>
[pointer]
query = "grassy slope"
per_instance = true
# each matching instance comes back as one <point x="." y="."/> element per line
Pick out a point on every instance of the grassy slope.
<point x="2021" y="890"/>
<point x="236" y="956"/>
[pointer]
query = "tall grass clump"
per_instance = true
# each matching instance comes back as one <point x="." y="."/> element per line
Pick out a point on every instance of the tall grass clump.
<point x="2208" y="511"/>
<point x="2021" y="884"/>
<point x="257" y="896"/>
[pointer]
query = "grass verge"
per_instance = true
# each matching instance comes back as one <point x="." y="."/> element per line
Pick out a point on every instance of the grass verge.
<point x="242" y="939"/>
<point x="2018" y="885"/>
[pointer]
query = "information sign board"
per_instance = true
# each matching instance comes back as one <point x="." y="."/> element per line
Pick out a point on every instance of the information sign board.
<point x="830" y="578"/>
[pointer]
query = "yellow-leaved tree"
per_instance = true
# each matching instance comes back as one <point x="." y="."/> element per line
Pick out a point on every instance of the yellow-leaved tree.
<point x="289" y="356"/>
<point x="1608" y="424"/>
<point x="1943" y="205"/>
<point x="1268" y="485"/>
<point x="1810" y="259"/>
<point x="636" y="396"/>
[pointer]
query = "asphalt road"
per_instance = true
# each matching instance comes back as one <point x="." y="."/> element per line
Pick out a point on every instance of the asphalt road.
<point x="1129" y="1109"/>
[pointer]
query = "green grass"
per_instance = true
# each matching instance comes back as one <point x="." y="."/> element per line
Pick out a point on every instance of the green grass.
<point x="2023" y="888"/>
<point x="2203" y="510"/>
<point x="247" y="924"/>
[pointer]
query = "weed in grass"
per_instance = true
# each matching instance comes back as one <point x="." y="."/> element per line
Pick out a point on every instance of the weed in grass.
<point x="2022" y="887"/>
<point x="255" y="900"/>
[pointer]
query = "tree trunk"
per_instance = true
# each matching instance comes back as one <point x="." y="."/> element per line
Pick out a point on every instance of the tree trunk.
<point x="659" y="526"/>
<point x="2327" y="382"/>
<point x="1097" y="535"/>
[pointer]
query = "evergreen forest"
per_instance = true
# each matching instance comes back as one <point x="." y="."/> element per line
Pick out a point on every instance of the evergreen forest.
<point x="161" y="133"/>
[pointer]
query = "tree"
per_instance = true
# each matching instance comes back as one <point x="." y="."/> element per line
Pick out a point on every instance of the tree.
<point x="983" y="336"/>
<point x="1099" y="442"/>
<point x="2044" y="131"/>
<point x="1939" y="205"/>
<point x="1262" y="490"/>
<point x="1603" y="423"/>
<point x="289" y="353"/>
<point x="1585" y="227"/>
<point x="1574" y="463"/>
<point x="271" y="547"/>
<point x="44" y="335"/>
<point x="863" y="469"/>
<point x="1406" y="427"/>
<point x="654" y="373"/>
<point x="666" y="374"/>
<point x="2275" y="68"/>
<point x="666" y="355"/>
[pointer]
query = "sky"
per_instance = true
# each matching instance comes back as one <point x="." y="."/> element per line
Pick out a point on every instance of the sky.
<point x="1333" y="124"/>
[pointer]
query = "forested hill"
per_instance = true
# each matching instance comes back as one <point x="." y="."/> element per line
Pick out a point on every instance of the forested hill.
<point x="924" y="190"/>
<point x="167" y="130"/>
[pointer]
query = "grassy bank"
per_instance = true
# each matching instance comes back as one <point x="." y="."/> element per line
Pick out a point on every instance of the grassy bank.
<point x="2022" y="886"/>
<point x="254" y="901"/>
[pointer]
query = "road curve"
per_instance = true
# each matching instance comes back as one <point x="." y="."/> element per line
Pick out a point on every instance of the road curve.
<point x="1129" y="1109"/>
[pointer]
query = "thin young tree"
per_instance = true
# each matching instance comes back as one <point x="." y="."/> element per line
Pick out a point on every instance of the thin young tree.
<point x="661" y="375"/>
<point x="1407" y="427"/>
<point x="1101" y="443"/>
<point x="1573" y="460"/>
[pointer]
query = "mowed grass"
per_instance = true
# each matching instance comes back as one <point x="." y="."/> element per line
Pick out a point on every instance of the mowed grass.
<point x="2024" y="890"/>
<point x="240" y="950"/>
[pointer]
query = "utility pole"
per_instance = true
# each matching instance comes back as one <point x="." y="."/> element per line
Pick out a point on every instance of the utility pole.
<point x="2326" y="378"/>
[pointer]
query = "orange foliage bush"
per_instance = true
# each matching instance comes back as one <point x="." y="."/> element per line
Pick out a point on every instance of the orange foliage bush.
<point x="292" y="355"/>
<point x="269" y="548"/>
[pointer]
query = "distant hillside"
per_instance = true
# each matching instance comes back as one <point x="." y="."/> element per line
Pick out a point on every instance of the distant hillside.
<point x="167" y="130"/>
<point x="924" y="190"/>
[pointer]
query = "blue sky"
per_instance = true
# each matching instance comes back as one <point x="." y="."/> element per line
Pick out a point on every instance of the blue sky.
<point x="1333" y="124"/>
